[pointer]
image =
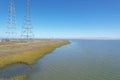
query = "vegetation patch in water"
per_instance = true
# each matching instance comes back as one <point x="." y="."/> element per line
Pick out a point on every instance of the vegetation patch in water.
<point x="22" y="77"/>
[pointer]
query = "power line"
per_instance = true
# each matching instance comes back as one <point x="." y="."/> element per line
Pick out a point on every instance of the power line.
<point x="11" y="24"/>
<point x="27" y="32"/>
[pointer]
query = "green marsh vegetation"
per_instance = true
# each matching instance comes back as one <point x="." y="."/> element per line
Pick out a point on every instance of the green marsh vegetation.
<point x="29" y="56"/>
<point x="22" y="77"/>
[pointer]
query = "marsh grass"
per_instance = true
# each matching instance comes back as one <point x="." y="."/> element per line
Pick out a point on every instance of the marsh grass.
<point x="22" y="77"/>
<point x="29" y="57"/>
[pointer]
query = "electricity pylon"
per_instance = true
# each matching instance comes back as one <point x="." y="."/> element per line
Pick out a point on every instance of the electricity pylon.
<point x="27" y="32"/>
<point x="11" y="24"/>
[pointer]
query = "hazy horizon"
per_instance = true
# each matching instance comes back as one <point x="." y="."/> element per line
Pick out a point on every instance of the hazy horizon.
<point x="86" y="19"/>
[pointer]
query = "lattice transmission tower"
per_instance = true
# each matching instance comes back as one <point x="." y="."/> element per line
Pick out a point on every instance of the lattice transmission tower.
<point x="27" y="33"/>
<point x="11" y="24"/>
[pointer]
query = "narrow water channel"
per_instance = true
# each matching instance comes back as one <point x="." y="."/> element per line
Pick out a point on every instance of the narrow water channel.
<point x="14" y="70"/>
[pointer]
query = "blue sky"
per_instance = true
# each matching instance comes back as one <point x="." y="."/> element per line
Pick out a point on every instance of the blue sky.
<point x="67" y="18"/>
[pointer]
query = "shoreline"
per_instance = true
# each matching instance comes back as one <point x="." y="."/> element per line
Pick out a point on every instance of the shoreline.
<point x="29" y="57"/>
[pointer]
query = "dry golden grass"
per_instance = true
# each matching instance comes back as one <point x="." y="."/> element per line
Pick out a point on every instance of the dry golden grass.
<point x="29" y="52"/>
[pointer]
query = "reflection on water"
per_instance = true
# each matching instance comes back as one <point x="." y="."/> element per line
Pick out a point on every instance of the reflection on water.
<point x="14" y="71"/>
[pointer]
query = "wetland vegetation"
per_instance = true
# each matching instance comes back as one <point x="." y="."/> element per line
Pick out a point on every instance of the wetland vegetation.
<point x="26" y="53"/>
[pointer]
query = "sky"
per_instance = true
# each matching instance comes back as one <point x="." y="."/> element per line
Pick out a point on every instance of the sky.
<point x="86" y="19"/>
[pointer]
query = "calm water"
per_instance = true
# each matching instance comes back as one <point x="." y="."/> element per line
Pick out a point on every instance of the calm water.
<point x="14" y="70"/>
<point x="81" y="60"/>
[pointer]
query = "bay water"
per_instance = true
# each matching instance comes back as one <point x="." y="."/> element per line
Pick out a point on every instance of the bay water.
<point x="80" y="60"/>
